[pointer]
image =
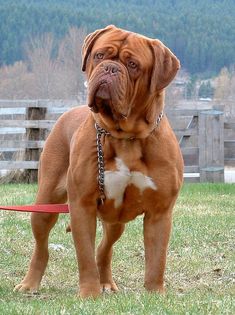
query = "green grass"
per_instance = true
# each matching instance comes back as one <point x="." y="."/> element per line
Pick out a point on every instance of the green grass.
<point x="200" y="273"/>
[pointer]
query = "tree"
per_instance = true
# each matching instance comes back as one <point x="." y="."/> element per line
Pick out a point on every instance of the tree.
<point x="42" y="64"/>
<point x="52" y="69"/>
<point x="225" y="90"/>
<point x="206" y="90"/>
<point x="69" y="60"/>
<point x="191" y="88"/>
<point x="192" y="29"/>
<point x="223" y="85"/>
<point x="16" y="81"/>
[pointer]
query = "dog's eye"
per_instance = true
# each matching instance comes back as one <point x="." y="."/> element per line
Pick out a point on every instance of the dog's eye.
<point x="132" y="64"/>
<point x="99" y="56"/>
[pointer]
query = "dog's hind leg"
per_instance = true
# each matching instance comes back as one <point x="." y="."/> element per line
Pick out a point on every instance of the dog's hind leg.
<point x="41" y="226"/>
<point x="49" y="192"/>
<point x="53" y="168"/>
<point x="111" y="233"/>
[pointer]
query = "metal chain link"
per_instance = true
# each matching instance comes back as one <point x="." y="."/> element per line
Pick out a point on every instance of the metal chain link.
<point x="159" y="119"/>
<point x="100" y="155"/>
<point x="101" y="166"/>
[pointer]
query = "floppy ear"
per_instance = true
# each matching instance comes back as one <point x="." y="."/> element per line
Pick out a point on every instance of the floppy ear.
<point x="165" y="66"/>
<point x="89" y="42"/>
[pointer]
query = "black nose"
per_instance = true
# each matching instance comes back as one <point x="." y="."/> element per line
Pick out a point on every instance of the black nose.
<point x="111" y="68"/>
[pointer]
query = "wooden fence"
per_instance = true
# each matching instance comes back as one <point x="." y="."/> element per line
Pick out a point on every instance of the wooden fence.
<point x="202" y="144"/>
<point x="207" y="141"/>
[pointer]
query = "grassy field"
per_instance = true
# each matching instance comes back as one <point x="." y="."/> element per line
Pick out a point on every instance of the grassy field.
<point x="200" y="273"/>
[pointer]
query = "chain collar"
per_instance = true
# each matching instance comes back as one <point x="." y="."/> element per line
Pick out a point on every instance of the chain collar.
<point x="100" y="155"/>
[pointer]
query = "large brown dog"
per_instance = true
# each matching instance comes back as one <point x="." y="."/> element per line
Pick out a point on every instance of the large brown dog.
<point x="143" y="172"/>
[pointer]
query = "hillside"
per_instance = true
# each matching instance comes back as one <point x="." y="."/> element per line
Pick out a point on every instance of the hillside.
<point x="201" y="33"/>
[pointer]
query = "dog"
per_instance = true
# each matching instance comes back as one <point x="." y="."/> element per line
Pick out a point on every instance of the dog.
<point x="115" y="159"/>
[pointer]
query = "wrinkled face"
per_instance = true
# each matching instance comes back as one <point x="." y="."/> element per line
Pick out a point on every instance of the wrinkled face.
<point x="120" y="66"/>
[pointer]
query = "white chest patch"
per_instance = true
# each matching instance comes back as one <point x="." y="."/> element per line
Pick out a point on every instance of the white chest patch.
<point x="117" y="181"/>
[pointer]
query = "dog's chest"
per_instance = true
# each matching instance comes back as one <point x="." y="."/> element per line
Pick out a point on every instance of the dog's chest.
<point x="125" y="190"/>
<point x="117" y="181"/>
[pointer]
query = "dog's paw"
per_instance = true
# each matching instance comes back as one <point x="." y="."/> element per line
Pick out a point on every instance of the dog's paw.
<point x="152" y="287"/>
<point x="26" y="287"/>
<point x="89" y="291"/>
<point x="109" y="287"/>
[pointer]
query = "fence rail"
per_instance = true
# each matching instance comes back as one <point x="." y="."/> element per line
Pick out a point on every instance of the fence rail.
<point x="37" y="103"/>
<point x="204" y="146"/>
<point x="22" y="144"/>
<point x="32" y="124"/>
<point x="24" y="165"/>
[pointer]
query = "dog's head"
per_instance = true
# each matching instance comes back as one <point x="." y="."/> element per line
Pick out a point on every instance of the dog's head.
<point x="125" y="70"/>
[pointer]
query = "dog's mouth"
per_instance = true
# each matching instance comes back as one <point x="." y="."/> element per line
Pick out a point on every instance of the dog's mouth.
<point x="103" y="90"/>
<point x="102" y="100"/>
<point x="102" y="106"/>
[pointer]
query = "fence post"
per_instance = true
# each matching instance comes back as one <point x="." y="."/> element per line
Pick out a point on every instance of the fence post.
<point x="211" y="146"/>
<point x="34" y="113"/>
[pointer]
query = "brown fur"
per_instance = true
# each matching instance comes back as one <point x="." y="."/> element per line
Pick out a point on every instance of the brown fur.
<point x="126" y="73"/>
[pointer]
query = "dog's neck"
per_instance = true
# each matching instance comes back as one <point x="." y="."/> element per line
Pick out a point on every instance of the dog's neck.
<point x="140" y="123"/>
<point x="120" y="133"/>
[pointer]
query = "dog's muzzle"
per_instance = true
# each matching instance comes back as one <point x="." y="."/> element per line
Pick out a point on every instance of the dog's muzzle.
<point x="108" y="87"/>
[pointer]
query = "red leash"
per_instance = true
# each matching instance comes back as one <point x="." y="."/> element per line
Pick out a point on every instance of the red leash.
<point x="50" y="208"/>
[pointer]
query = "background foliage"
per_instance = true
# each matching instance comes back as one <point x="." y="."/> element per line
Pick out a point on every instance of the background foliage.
<point x="201" y="33"/>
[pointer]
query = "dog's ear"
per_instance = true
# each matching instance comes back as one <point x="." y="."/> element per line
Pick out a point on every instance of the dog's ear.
<point x="89" y="42"/>
<point x="165" y="66"/>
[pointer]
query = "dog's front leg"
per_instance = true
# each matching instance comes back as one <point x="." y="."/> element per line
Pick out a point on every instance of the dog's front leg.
<point x="156" y="237"/>
<point x="83" y="225"/>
